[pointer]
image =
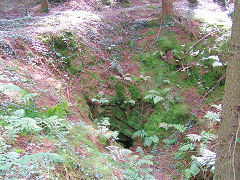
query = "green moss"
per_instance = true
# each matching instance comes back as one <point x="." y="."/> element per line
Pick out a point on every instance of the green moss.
<point x="68" y="51"/>
<point x="177" y="114"/>
<point x="152" y="24"/>
<point x="135" y="92"/>
<point x="106" y="2"/>
<point x="120" y="92"/>
<point x="169" y="42"/>
<point x="136" y="120"/>
<point x="216" y="95"/>
<point x="150" y="59"/>
<point x="103" y="141"/>
<point x="211" y="77"/>
<point x="150" y="32"/>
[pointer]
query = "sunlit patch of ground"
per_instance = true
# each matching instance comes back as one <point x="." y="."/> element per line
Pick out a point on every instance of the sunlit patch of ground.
<point x="208" y="11"/>
<point x="67" y="20"/>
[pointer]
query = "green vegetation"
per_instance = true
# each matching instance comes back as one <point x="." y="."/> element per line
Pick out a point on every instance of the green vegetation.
<point x="122" y="94"/>
<point x="106" y="2"/>
<point x="68" y="51"/>
<point x="150" y="32"/>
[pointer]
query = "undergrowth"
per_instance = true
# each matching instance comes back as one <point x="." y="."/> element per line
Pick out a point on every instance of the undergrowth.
<point x="145" y="106"/>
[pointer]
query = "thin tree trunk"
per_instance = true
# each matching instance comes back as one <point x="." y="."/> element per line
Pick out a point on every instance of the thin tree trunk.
<point x="127" y="109"/>
<point x="228" y="149"/>
<point x="167" y="7"/>
<point x="44" y="5"/>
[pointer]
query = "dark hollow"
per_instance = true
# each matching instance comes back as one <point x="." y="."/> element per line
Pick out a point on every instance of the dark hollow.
<point x="125" y="141"/>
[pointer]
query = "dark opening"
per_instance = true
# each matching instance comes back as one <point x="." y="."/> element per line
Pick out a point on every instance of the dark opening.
<point x="125" y="141"/>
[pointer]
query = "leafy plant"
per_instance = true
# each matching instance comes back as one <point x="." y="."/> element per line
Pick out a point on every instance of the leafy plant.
<point x="204" y="162"/>
<point x="28" y="98"/>
<point x="59" y="110"/>
<point x="214" y="116"/>
<point x="154" y="95"/>
<point x="178" y="127"/>
<point x="14" y="166"/>
<point x="104" y="130"/>
<point x="148" y="141"/>
<point x="17" y="123"/>
<point x="101" y="99"/>
<point x="54" y="125"/>
<point x="135" y="166"/>
<point x="140" y="133"/>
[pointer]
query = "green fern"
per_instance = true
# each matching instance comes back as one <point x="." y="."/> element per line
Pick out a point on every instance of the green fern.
<point x="3" y="145"/>
<point x="11" y="164"/>
<point x="148" y="141"/>
<point x="139" y="133"/>
<point x="118" y="153"/>
<point x="135" y="166"/>
<point x="213" y="116"/>
<point x="40" y="160"/>
<point x="54" y="125"/>
<point x="140" y="150"/>
<point x="27" y="99"/>
<point x="193" y="170"/>
<point x="17" y="123"/>
<point x="187" y="147"/>
<point x="178" y="127"/>
<point x="194" y="137"/>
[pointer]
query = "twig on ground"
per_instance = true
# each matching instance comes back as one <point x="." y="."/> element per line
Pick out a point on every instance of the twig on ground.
<point x="201" y="39"/>
<point x="216" y="85"/>
<point x="153" y="43"/>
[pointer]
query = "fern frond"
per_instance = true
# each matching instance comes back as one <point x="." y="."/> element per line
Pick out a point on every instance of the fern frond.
<point x="153" y="92"/>
<point x="7" y="160"/>
<point x="17" y="166"/>
<point x="164" y="125"/>
<point x="144" y="162"/>
<point x="179" y="127"/>
<point x="157" y="99"/>
<point x="187" y="147"/>
<point x="117" y="153"/>
<point x="166" y="89"/>
<point x="54" y="125"/>
<point x="207" y="136"/>
<point x="19" y="113"/>
<point x="139" y="133"/>
<point x="150" y="96"/>
<point x="140" y="150"/>
<point x="39" y="160"/>
<point x="194" y="137"/>
<point x="28" y="98"/>
<point x="212" y="116"/>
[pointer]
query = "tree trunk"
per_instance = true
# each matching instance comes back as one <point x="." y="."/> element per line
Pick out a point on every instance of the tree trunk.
<point x="193" y="1"/>
<point x="167" y="7"/>
<point x="44" y="5"/>
<point x="228" y="146"/>
<point x="127" y="109"/>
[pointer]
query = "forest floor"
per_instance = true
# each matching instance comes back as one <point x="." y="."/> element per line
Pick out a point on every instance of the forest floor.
<point x="23" y="65"/>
